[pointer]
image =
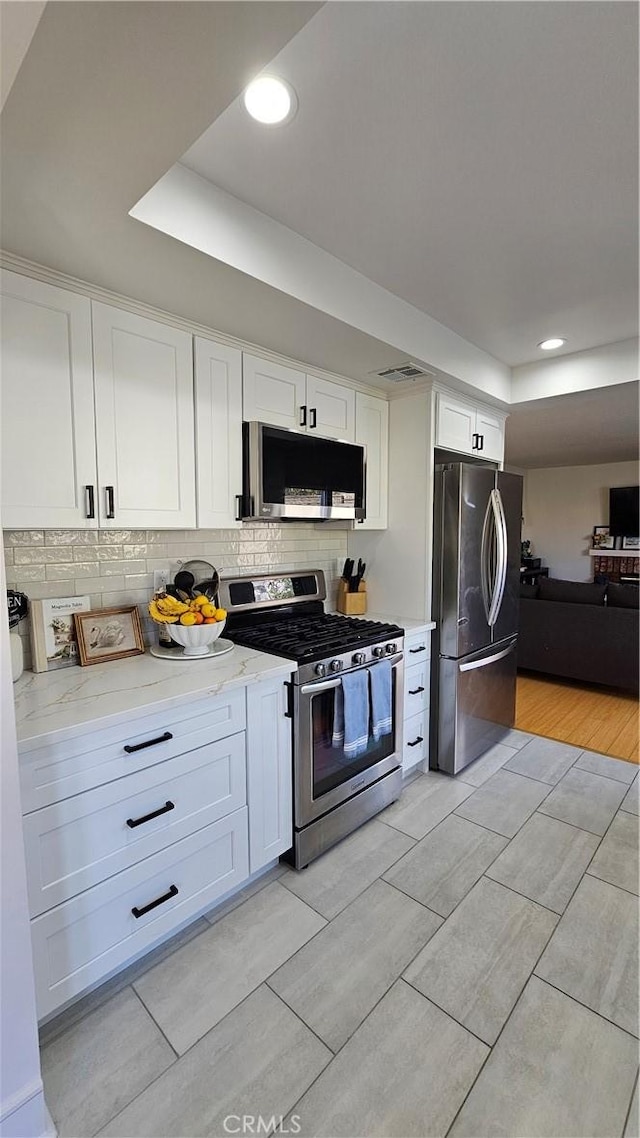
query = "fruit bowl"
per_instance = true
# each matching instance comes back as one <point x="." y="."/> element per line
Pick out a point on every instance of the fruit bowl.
<point x="196" y="639"/>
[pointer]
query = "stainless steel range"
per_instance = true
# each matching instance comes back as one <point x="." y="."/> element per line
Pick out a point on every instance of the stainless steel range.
<point x="333" y="792"/>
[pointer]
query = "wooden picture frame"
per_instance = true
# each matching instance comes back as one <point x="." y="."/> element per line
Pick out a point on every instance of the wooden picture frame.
<point x="108" y="634"/>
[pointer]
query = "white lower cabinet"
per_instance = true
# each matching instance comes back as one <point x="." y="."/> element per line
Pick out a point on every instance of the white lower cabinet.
<point x="76" y="944"/>
<point x="417" y="672"/>
<point x="133" y="830"/>
<point x="269" y="774"/>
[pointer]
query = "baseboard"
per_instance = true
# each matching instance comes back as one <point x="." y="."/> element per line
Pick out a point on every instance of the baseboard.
<point x="25" y="1114"/>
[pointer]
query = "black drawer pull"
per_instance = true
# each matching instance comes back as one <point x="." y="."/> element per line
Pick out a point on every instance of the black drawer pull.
<point x="149" y="743"/>
<point x="133" y="822"/>
<point x="416" y="691"/>
<point x="173" y="892"/>
<point x="421" y="648"/>
<point x="110" y="499"/>
<point x="415" y="742"/>
<point x="90" y="511"/>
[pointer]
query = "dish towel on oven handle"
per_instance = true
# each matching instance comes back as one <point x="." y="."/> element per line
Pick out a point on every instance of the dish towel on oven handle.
<point x="381" y="699"/>
<point x="351" y="713"/>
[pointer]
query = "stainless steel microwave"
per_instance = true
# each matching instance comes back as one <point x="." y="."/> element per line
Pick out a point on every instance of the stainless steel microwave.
<point x="293" y="475"/>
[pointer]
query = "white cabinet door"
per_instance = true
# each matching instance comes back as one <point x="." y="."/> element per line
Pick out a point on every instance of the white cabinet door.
<point x="48" y="447"/>
<point x="269" y="779"/>
<point x="218" y="394"/>
<point x="272" y="393"/>
<point x="144" y="421"/>
<point x="331" y="409"/>
<point x="372" y="432"/>
<point x="455" y="424"/>
<point x="490" y="429"/>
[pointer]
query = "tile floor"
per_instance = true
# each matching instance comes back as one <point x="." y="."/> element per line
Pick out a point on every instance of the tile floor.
<point x="466" y="964"/>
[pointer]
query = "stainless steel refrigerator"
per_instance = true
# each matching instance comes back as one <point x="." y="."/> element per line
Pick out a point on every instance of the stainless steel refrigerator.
<point x="476" y="574"/>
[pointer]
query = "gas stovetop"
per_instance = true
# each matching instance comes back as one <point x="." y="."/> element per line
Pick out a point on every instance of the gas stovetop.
<point x="283" y="613"/>
<point x="314" y="637"/>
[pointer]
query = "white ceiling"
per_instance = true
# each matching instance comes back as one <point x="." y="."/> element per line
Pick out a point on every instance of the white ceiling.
<point x="110" y="95"/>
<point x="477" y="160"/>
<point x="580" y="429"/>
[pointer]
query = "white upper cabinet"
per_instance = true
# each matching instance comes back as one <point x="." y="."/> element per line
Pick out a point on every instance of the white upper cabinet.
<point x="272" y="393"/>
<point x="470" y="429"/>
<point x="331" y="409"/>
<point x="144" y="421"/>
<point x="218" y="394"/>
<point x="48" y="449"/>
<point x="285" y="397"/>
<point x="372" y="432"/>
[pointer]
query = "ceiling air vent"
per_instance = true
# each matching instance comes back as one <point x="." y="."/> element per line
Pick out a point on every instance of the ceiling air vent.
<point x="403" y="372"/>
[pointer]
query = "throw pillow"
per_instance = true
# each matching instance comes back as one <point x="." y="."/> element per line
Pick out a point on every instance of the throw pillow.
<point x="571" y="592"/>
<point x="623" y="596"/>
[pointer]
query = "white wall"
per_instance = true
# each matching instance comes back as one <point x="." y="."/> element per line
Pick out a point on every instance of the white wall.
<point x="22" y="1109"/>
<point x="562" y="505"/>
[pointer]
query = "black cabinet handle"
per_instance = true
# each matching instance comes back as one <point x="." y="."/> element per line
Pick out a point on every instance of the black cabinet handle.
<point x="149" y="743"/>
<point x="314" y="418"/>
<point x="416" y="691"/>
<point x="415" y="742"/>
<point x="480" y="442"/>
<point x="133" y="822"/>
<point x="303" y="415"/>
<point x="238" y="507"/>
<point x="421" y="648"/>
<point x="173" y="892"/>
<point x="474" y="441"/>
<point x="90" y="502"/>
<point x="110" y="498"/>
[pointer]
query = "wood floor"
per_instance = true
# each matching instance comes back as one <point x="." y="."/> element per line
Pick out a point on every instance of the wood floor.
<point x="599" y="719"/>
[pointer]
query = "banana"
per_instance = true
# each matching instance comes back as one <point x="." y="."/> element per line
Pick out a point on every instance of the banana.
<point x="169" y="606"/>
<point x="160" y="617"/>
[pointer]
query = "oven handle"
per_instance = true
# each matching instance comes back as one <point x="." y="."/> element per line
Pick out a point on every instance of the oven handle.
<point x="326" y="685"/>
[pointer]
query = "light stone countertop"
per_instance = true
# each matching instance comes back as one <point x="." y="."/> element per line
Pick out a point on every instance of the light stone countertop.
<point x="54" y="706"/>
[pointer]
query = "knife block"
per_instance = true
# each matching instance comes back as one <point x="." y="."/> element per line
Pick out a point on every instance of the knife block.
<point x="352" y="604"/>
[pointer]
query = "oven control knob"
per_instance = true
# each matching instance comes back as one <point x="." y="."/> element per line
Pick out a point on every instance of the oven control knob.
<point x="391" y="648"/>
<point x="336" y="665"/>
<point x="358" y="658"/>
<point x="321" y="669"/>
<point x="378" y="652"/>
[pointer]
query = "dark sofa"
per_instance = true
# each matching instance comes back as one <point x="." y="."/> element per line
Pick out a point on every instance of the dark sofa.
<point x="580" y="631"/>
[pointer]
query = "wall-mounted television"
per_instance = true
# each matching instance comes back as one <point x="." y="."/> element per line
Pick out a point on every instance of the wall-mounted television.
<point x="624" y="511"/>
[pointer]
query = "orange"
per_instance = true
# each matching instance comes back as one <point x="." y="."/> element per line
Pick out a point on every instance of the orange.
<point x="199" y="619"/>
<point x="208" y="611"/>
<point x="221" y="614"/>
<point x="210" y="620"/>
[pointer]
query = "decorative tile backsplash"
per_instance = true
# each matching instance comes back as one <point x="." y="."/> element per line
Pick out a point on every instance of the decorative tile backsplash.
<point x="115" y="567"/>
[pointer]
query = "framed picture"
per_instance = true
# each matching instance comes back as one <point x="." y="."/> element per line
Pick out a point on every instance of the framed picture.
<point x="602" y="539"/>
<point x="631" y="543"/>
<point x="108" y="634"/>
<point x="53" y="635"/>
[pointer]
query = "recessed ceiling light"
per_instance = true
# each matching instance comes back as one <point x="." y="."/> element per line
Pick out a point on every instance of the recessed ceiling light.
<point x="270" y="100"/>
<point x="549" y="345"/>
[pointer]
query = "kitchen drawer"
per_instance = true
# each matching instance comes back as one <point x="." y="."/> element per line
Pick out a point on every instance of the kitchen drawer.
<point x="77" y="944"/>
<point x="75" y="844"/>
<point x="59" y="770"/>
<point x="415" y="747"/>
<point x="417" y="646"/>
<point x="416" y="688"/>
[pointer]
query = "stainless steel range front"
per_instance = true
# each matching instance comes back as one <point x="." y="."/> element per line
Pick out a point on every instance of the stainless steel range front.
<point x="335" y="789"/>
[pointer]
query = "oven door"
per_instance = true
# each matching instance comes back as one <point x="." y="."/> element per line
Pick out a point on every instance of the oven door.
<point x="324" y="776"/>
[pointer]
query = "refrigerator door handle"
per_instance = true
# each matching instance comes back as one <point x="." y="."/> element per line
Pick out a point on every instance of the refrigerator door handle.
<point x="485" y="554"/>
<point x="501" y="566"/>
<point x="488" y="660"/>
